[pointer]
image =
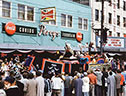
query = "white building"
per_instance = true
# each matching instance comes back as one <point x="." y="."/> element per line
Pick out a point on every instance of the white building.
<point x="114" y="16"/>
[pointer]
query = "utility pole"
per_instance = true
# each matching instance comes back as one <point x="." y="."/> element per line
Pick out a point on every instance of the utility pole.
<point x="102" y="26"/>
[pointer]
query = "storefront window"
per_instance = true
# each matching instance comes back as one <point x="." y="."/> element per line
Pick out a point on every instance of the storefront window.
<point x="30" y="13"/>
<point x="21" y="12"/>
<point x="5" y="9"/>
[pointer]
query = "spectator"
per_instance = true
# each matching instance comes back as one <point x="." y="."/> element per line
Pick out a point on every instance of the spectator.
<point x="111" y="85"/>
<point x="85" y="86"/>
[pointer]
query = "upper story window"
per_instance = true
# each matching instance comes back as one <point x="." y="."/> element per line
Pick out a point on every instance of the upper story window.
<point x="118" y="4"/>
<point x="30" y="13"/>
<point x="21" y="12"/>
<point x="69" y="24"/>
<point x="25" y="12"/>
<point x="124" y="21"/>
<point x="110" y="18"/>
<point x="66" y="20"/>
<point x="83" y="23"/>
<point x="96" y="15"/>
<point x="118" y="34"/>
<point x="80" y="23"/>
<point x="6" y="9"/>
<point x="118" y="20"/>
<point x="110" y="33"/>
<point x="124" y="5"/>
<point x="110" y="3"/>
<point x="63" y="20"/>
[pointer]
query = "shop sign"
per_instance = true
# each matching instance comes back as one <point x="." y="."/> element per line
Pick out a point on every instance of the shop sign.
<point x="68" y="35"/>
<point x="48" y="14"/>
<point x="114" y="42"/>
<point x="10" y="28"/>
<point x="46" y="32"/>
<point x="18" y="29"/>
<point x="78" y="36"/>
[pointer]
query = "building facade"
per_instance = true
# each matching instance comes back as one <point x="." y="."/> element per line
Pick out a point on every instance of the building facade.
<point x="114" y="20"/>
<point x="43" y="24"/>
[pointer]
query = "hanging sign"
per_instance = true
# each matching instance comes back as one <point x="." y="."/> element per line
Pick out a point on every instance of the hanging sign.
<point x="48" y="14"/>
<point x="10" y="28"/>
<point x="79" y="36"/>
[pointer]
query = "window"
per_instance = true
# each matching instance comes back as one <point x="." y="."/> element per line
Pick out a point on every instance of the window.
<point x="63" y="20"/>
<point x="85" y="24"/>
<point x="118" y="34"/>
<point x="124" y="5"/>
<point x="118" y="4"/>
<point x="110" y="18"/>
<point x="6" y="9"/>
<point x="30" y="13"/>
<point x="124" y="21"/>
<point x="110" y="3"/>
<point x="80" y="23"/>
<point x="118" y="20"/>
<point x="66" y="20"/>
<point x="21" y="12"/>
<point x="69" y="21"/>
<point x="96" y="15"/>
<point x="110" y="33"/>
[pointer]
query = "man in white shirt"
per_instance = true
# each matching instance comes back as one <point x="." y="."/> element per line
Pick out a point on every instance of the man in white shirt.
<point x="56" y="85"/>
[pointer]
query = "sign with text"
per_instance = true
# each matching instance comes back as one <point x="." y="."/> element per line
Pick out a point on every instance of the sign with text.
<point x="113" y="42"/>
<point x="22" y="29"/>
<point x="78" y="36"/>
<point x="48" y="14"/>
<point x="68" y="35"/>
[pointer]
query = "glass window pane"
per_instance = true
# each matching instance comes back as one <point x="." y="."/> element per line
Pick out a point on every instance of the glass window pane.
<point x="21" y="12"/>
<point x="30" y="13"/>
<point x="69" y="21"/>
<point x="80" y="23"/>
<point x="5" y="9"/>
<point x="63" y="20"/>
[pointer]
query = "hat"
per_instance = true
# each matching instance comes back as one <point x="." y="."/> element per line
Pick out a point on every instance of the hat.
<point x="41" y="71"/>
<point x="9" y="79"/>
<point x="85" y="74"/>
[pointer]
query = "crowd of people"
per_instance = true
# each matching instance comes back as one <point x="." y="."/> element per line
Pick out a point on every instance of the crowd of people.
<point x="17" y="80"/>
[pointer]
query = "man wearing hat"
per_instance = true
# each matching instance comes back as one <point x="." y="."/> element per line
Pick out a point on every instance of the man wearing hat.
<point x="11" y="87"/>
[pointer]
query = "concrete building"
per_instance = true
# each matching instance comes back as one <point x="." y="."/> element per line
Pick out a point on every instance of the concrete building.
<point x="114" y="20"/>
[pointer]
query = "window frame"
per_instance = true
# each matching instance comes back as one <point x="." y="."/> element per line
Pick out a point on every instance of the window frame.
<point x="110" y="18"/>
<point x="22" y="12"/>
<point x="6" y="9"/>
<point x="96" y="15"/>
<point x="83" y="23"/>
<point x="30" y="14"/>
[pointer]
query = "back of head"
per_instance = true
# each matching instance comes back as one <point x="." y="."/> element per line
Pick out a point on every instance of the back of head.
<point x="30" y="76"/>
<point x="10" y="79"/>
<point x="38" y="73"/>
<point x="110" y="73"/>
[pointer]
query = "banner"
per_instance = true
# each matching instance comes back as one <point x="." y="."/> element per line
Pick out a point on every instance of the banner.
<point x="50" y="66"/>
<point x="99" y="66"/>
<point x="48" y="14"/>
